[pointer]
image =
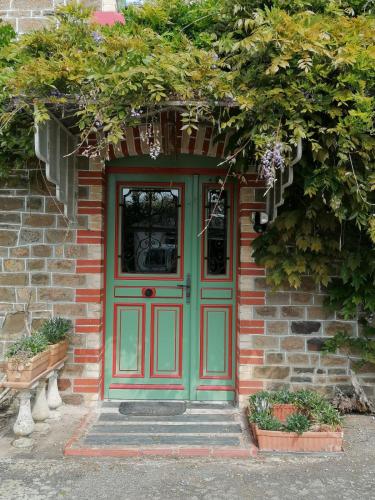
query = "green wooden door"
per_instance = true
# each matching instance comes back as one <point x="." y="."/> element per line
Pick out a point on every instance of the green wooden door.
<point x="170" y="293"/>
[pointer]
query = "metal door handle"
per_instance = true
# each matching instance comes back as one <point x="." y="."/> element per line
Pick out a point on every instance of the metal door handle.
<point x="187" y="287"/>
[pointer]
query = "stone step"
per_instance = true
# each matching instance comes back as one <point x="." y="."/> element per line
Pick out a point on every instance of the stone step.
<point x="166" y="439"/>
<point x="130" y="428"/>
<point x="188" y="418"/>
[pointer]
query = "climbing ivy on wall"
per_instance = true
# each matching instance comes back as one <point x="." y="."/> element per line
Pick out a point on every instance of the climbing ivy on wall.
<point x="283" y="71"/>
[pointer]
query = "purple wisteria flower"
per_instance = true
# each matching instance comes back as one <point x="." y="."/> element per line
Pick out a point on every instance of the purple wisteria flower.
<point x="272" y="160"/>
<point x="97" y="37"/>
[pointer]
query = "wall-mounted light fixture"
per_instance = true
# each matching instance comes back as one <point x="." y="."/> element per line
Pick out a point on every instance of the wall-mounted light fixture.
<point x="260" y="221"/>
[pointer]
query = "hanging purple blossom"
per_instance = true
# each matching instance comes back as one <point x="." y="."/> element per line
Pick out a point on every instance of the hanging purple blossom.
<point x="97" y="37"/>
<point x="272" y="160"/>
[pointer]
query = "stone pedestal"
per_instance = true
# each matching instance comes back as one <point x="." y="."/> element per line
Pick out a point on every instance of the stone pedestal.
<point x="24" y="424"/>
<point x="53" y="397"/>
<point x="40" y="409"/>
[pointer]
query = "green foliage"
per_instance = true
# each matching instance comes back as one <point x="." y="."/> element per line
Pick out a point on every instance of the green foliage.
<point x="56" y="330"/>
<point x="7" y="34"/>
<point x="362" y="347"/>
<point x="266" y="421"/>
<point x="291" y="69"/>
<point x="27" y="347"/>
<point x="297" y="422"/>
<point x="313" y="409"/>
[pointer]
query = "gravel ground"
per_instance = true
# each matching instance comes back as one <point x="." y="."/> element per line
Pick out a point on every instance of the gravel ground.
<point x="41" y="474"/>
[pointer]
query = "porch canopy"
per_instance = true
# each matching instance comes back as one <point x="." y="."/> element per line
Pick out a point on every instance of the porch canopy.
<point x="56" y="144"/>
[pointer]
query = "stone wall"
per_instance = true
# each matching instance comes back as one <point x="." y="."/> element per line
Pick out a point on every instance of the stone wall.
<point x="28" y="15"/>
<point x="281" y="333"/>
<point x="49" y="267"/>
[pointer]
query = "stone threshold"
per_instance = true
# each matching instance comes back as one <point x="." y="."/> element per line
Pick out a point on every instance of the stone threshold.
<point x="79" y="444"/>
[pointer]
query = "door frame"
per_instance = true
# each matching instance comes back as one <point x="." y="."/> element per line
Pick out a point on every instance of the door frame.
<point x="147" y="166"/>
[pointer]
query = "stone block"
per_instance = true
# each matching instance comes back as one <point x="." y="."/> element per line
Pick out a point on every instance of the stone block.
<point x="53" y="206"/>
<point x="265" y="312"/>
<point x="26" y="295"/>
<point x="30" y="236"/>
<point x="334" y="327"/>
<point x="14" y="279"/>
<point x="61" y="265"/>
<point x="7" y="294"/>
<point x="292" y="312"/>
<point x="277" y="327"/>
<point x="9" y="203"/>
<point x="297" y="359"/>
<point x="318" y="312"/>
<point x="303" y="370"/>
<point x="307" y="380"/>
<point x="36" y="264"/>
<point x="55" y="236"/>
<point x="19" y="252"/>
<point x="264" y="341"/>
<point x="300" y="298"/>
<point x="332" y="360"/>
<point x="56" y="294"/>
<point x="277" y="298"/>
<point x="274" y="358"/>
<point x="272" y="372"/>
<point x="305" y="327"/>
<point x="35" y="203"/>
<point x="75" y="251"/>
<point x="40" y="279"/>
<point x="14" y="265"/>
<point x="8" y="238"/>
<point x="293" y="344"/>
<point x="38" y="220"/>
<point x="41" y="251"/>
<point x="69" y="310"/>
<point x="37" y="323"/>
<point x="315" y="344"/>
<point x="308" y="285"/>
<point x="69" y="280"/>
<point x="14" y="325"/>
<point x="10" y="218"/>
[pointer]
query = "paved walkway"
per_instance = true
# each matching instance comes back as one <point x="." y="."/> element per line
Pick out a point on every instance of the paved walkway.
<point x="43" y="473"/>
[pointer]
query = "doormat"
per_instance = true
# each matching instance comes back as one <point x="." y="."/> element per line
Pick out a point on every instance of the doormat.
<point x="153" y="408"/>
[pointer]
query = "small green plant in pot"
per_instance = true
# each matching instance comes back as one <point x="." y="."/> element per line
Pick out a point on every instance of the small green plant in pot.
<point x="57" y="332"/>
<point x="27" y="358"/>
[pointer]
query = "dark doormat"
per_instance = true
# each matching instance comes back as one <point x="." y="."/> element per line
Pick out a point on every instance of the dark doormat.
<point x="153" y="408"/>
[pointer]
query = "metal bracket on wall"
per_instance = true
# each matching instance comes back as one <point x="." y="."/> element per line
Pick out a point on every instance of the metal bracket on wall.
<point x="54" y="145"/>
<point x="275" y="196"/>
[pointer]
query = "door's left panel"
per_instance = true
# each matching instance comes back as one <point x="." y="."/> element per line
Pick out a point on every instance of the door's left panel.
<point x="147" y="315"/>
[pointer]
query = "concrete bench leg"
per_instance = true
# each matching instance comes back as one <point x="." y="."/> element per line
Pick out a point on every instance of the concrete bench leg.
<point x="24" y="424"/>
<point x="41" y="409"/>
<point x="53" y="396"/>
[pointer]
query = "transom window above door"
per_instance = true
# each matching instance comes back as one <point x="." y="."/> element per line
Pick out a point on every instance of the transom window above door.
<point x="150" y="230"/>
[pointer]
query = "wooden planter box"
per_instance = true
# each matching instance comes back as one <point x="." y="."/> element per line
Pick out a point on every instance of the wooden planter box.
<point x="26" y="372"/>
<point x="291" y="441"/>
<point x="282" y="411"/>
<point x="57" y="352"/>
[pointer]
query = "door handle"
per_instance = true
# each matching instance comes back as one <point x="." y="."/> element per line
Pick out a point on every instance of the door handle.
<point x="187" y="287"/>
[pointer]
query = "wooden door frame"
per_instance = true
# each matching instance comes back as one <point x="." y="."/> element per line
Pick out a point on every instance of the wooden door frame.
<point x="149" y="167"/>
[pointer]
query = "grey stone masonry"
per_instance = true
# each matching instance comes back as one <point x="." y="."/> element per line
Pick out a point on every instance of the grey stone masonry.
<point x="28" y="15"/>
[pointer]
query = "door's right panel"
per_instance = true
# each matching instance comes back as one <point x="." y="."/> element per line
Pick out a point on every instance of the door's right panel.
<point x="216" y="291"/>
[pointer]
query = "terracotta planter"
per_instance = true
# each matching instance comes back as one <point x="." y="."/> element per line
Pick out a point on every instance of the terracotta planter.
<point x="26" y="372"/>
<point x="282" y="411"/>
<point x="57" y="352"/>
<point x="291" y="441"/>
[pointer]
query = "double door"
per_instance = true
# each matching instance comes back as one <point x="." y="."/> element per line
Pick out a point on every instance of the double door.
<point x="170" y="288"/>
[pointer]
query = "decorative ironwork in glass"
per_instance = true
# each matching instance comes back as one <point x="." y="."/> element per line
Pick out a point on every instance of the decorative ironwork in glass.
<point x="150" y="230"/>
<point x="216" y="246"/>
